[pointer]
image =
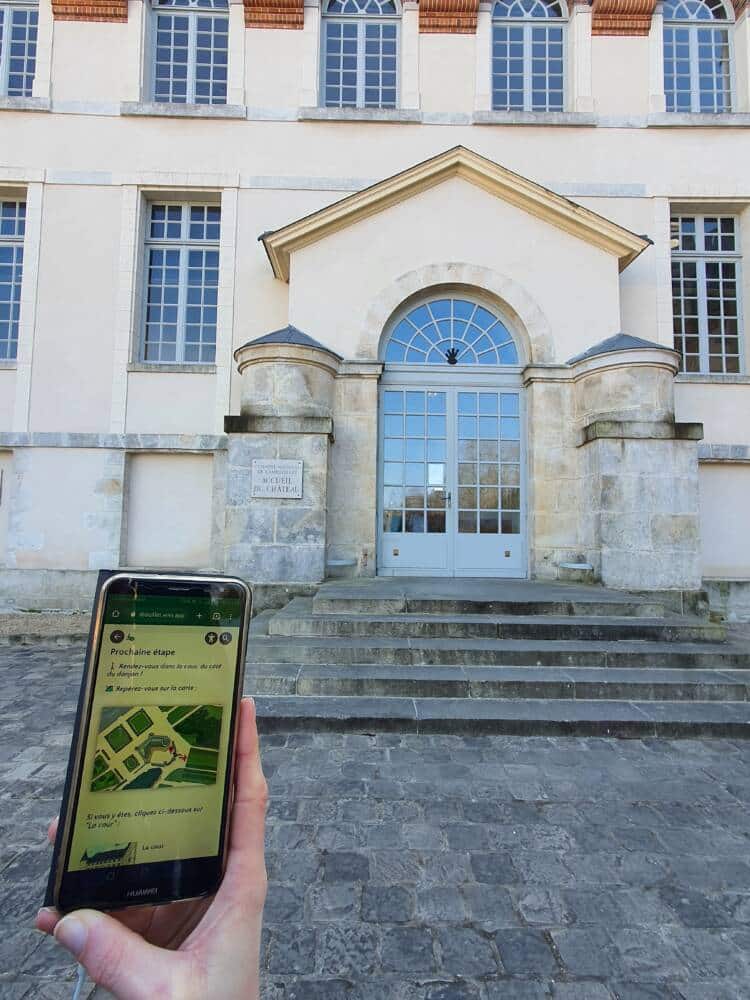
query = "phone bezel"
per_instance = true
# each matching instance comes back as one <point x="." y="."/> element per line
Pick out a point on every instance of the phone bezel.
<point x="163" y="881"/>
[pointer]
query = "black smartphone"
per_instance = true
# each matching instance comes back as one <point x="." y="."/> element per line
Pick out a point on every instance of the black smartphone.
<point x="148" y="791"/>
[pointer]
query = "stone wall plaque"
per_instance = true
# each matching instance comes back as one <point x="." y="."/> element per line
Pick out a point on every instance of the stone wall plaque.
<point x="279" y="478"/>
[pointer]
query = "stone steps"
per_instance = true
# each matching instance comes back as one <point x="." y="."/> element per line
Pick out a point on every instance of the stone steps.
<point x="579" y="683"/>
<point x="473" y="656"/>
<point x="517" y="717"/>
<point x="498" y="652"/>
<point x="298" y="619"/>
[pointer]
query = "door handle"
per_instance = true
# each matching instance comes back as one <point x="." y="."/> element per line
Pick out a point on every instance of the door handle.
<point x="447" y="498"/>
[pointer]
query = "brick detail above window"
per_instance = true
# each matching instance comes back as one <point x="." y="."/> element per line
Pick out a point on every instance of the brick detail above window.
<point x="274" y="14"/>
<point x="90" y="10"/>
<point x="440" y="16"/>
<point x="622" y="17"/>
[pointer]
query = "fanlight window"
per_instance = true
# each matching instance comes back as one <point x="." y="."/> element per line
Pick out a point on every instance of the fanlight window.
<point x="528" y="55"/>
<point x="359" y="65"/>
<point x="697" y="56"/>
<point x="451" y="331"/>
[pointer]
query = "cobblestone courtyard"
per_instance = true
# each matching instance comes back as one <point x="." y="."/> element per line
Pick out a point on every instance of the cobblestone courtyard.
<point x="440" y="868"/>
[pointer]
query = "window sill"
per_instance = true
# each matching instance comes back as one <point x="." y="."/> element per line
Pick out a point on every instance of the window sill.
<point x="8" y="366"/>
<point x="396" y="115"/>
<point x="154" y="109"/>
<point x="679" y="119"/>
<point x="24" y="104"/>
<point x="534" y="118"/>
<point x="712" y="378"/>
<point x="144" y="366"/>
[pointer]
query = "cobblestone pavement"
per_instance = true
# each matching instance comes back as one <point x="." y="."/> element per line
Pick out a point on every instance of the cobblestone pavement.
<point x="440" y="868"/>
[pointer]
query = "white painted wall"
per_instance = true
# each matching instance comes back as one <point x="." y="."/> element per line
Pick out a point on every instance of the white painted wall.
<point x="171" y="403"/>
<point x="447" y="72"/>
<point x="724" y="411"/>
<point x="89" y="61"/>
<point x="725" y="497"/>
<point x="71" y="385"/>
<point x="6" y="481"/>
<point x="168" y="510"/>
<point x="619" y="69"/>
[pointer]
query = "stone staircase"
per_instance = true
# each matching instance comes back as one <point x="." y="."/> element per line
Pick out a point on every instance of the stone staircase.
<point x="489" y="656"/>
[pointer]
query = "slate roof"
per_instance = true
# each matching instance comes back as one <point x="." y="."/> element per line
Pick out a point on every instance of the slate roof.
<point x="620" y="342"/>
<point x="290" y="335"/>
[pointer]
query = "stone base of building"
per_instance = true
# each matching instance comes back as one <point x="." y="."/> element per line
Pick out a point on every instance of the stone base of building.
<point x="729" y="599"/>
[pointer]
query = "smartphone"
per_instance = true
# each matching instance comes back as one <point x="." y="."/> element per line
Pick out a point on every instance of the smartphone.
<point x="148" y="791"/>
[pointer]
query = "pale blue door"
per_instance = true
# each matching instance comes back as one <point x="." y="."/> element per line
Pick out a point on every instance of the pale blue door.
<point x="451" y="444"/>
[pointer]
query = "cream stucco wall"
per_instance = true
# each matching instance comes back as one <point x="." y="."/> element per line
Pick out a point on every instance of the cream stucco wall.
<point x="447" y="71"/>
<point x="168" y="510"/>
<point x="724" y="411"/>
<point x="7" y="396"/>
<point x="71" y="388"/>
<point x="620" y="74"/>
<point x="725" y="496"/>
<point x="171" y="403"/>
<point x="89" y="61"/>
<point x="66" y="510"/>
<point x="574" y="285"/>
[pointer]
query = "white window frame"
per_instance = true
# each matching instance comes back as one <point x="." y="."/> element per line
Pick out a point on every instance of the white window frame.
<point x="693" y="27"/>
<point x="184" y="245"/>
<point x="192" y="13"/>
<point x="361" y="20"/>
<point x="528" y="24"/>
<point x="15" y="242"/>
<point x="701" y="257"/>
<point x="6" y="15"/>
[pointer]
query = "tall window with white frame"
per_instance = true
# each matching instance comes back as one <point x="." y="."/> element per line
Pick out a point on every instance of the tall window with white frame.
<point x="359" y="65"/>
<point x="528" y="54"/>
<point x="191" y="50"/>
<point x="18" y="37"/>
<point x="12" y="229"/>
<point x="706" y="293"/>
<point x="181" y="284"/>
<point x="698" y="55"/>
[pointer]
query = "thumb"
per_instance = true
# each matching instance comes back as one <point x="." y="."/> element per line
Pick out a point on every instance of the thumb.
<point x="117" y="958"/>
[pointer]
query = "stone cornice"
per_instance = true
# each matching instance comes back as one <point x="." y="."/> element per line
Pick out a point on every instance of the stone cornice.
<point x="443" y="16"/>
<point x="274" y="14"/>
<point x="457" y="162"/>
<point x="90" y="10"/>
<point x="622" y="17"/>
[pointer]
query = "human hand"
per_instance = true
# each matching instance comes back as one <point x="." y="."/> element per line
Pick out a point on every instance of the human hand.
<point x="191" y="949"/>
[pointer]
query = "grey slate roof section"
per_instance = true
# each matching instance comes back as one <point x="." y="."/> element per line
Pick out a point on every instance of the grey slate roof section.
<point x="291" y="335"/>
<point x="620" y="342"/>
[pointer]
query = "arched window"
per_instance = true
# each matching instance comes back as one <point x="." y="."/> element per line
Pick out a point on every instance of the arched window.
<point x="360" y="54"/>
<point x="451" y="331"/>
<point x="697" y="56"/>
<point x="527" y="55"/>
<point x="191" y="51"/>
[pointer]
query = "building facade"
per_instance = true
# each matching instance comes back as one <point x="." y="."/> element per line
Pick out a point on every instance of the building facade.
<point x="294" y="290"/>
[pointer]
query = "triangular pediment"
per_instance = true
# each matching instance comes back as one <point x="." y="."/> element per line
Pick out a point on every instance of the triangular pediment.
<point x="457" y="162"/>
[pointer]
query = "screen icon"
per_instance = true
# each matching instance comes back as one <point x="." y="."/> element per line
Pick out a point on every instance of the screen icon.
<point x="225" y="638"/>
<point x="117" y="635"/>
<point x="210" y="638"/>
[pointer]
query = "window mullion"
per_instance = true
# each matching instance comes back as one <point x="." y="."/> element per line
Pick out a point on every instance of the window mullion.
<point x="5" y="18"/>
<point x="528" y="102"/>
<point x="695" y="83"/>
<point x="360" y="63"/>
<point x="182" y="303"/>
<point x="192" y="56"/>
<point x="700" y="273"/>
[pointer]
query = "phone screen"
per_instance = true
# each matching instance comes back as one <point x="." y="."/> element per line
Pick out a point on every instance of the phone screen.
<point x="153" y="779"/>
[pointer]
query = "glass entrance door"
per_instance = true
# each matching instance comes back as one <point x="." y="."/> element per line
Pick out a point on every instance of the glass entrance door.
<point x="451" y="482"/>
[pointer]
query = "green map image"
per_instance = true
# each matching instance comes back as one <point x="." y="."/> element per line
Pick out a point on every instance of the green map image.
<point x="156" y="746"/>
